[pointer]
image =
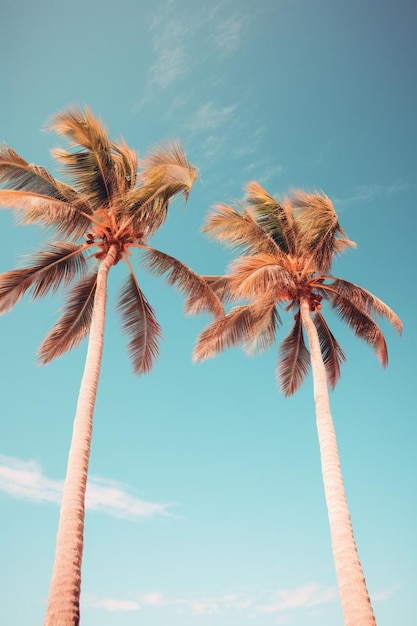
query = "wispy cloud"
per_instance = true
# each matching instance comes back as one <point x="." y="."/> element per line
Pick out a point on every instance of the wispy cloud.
<point x="210" y="117"/>
<point x="364" y="193"/>
<point x="24" y="480"/>
<point x="229" y="32"/>
<point x="109" y="604"/>
<point x="385" y="594"/>
<point x="281" y="603"/>
<point x="311" y="594"/>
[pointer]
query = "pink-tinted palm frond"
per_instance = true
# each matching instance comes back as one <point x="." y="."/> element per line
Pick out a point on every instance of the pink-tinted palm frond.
<point x="266" y="320"/>
<point x="168" y="167"/>
<point x="224" y="333"/>
<point x="331" y="352"/>
<point x="125" y="162"/>
<point x="274" y="217"/>
<point x="294" y="359"/>
<point x="75" y="322"/>
<point x="260" y="274"/>
<point x="361" y="322"/>
<point x="91" y="166"/>
<point x="140" y="324"/>
<point x="366" y="301"/>
<point x="238" y="230"/>
<point x="57" y="264"/>
<point x="319" y="234"/>
<point x="199" y="296"/>
<point x="66" y="219"/>
<point x="220" y="286"/>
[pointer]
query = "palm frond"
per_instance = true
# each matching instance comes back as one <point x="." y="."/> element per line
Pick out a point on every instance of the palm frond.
<point x="361" y="322"/>
<point x="126" y="164"/>
<point x="265" y="322"/>
<point x="319" y="232"/>
<point x="238" y="230"/>
<point x="220" y="286"/>
<point x="199" y="296"/>
<point x="331" y="351"/>
<point x="227" y="331"/>
<point x="140" y="323"/>
<point x="274" y="217"/>
<point x="254" y="276"/>
<point x="74" y="324"/>
<point x="294" y="359"/>
<point x="57" y="264"/>
<point x="168" y="167"/>
<point x="366" y="301"/>
<point x="65" y="218"/>
<point x="91" y="166"/>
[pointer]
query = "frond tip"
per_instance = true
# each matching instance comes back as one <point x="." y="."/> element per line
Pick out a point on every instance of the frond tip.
<point x="74" y="324"/>
<point x="139" y="322"/>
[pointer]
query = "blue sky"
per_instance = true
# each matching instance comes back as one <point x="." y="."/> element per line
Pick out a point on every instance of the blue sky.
<point x="205" y="503"/>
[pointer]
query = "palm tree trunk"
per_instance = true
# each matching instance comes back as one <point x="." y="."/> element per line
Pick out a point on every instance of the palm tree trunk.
<point x="64" y="595"/>
<point x="356" y="605"/>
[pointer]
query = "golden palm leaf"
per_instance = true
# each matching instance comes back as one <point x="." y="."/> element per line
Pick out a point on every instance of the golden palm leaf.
<point x="238" y="230"/>
<point x="199" y="296"/>
<point x="274" y="217"/>
<point x="74" y="324"/>
<point x="55" y="265"/>
<point x="294" y="359"/>
<point x="331" y="351"/>
<point x="140" y="324"/>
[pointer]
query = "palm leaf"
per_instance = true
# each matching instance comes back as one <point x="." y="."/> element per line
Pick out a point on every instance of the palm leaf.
<point x="274" y="217"/>
<point x="227" y="331"/>
<point x="92" y="168"/>
<point x="220" y="286"/>
<point x="199" y="296"/>
<point x="265" y="322"/>
<point x="140" y="323"/>
<point x="168" y="167"/>
<point x="65" y="218"/>
<point x="238" y="230"/>
<point x="331" y="351"/>
<point x="253" y="276"/>
<point x="125" y="162"/>
<point x="294" y="359"/>
<point x="361" y="322"/>
<point x="366" y="301"/>
<point x="48" y="269"/>
<point x="74" y="324"/>
<point x="319" y="233"/>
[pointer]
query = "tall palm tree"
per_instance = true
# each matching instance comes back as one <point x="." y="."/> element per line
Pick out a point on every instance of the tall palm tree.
<point x="288" y="249"/>
<point x="111" y="209"/>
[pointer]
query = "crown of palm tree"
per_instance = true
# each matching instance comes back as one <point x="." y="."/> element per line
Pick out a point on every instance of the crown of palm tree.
<point x="288" y="249"/>
<point x="113" y="201"/>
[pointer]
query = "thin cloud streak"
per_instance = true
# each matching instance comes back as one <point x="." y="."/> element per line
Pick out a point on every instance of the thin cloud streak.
<point x="24" y="480"/>
<point x="109" y="604"/>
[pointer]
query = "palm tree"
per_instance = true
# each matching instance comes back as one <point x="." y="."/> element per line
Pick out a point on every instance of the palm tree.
<point x="288" y="249"/>
<point x="111" y="209"/>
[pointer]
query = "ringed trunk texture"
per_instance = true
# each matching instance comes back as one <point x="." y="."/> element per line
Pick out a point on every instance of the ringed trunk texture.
<point x="64" y="596"/>
<point x="354" y="596"/>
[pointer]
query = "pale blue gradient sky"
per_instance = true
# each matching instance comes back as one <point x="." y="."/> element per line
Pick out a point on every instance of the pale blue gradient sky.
<point x="206" y="502"/>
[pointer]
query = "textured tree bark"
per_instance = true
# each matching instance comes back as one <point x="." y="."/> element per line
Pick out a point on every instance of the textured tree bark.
<point x="64" y="596"/>
<point x="356" y="605"/>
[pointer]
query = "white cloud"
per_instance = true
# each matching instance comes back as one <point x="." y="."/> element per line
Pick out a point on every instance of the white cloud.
<point x="25" y="480"/>
<point x="152" y="598"/>
<point x="210" y="117"/>
<point x="306" y="596"/>
<point x="228" y="35"/>
<point x="109" y="604"/>
<point x="363" y="193"/>
<point x="385" y="594"/>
